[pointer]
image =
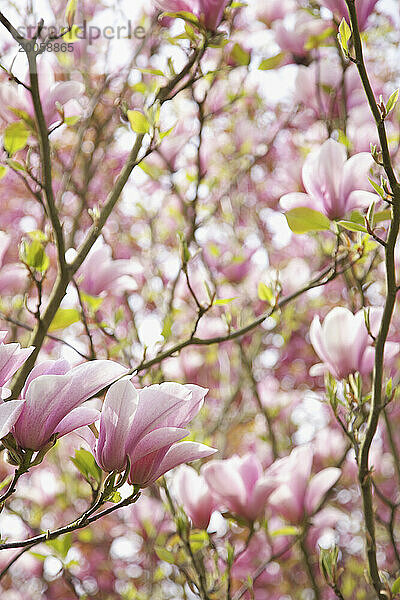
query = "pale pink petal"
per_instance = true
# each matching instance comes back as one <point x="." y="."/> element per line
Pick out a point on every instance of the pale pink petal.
<point x="319" y="486"/>
<point x="286" y="504"/>
<point x="223" y="478"/>
<point x="117" y="415"/>
<point x="299" y="199"/>
<point x="9" y="413"/>
<point x="157" y="439"/>
<point x="78" y="417"/>
<point x="355" y="174"/>
<point x="180" y="453"/>
<point x="12" y="357"/>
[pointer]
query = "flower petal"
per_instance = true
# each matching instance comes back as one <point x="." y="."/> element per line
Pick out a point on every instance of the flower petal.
<point x="318" y="487"/>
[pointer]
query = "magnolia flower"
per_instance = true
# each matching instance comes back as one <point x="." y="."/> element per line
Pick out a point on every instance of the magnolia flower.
<point x="343" y="343"/>
<point x="334" y="185"/>
<point x="53" y="94"/>
<point x="240" y="484"/>
<point x="52" y="399"/>
<point x="319" y="87"/>
<point x="195" y="495"/>
<point x="363" y="7"/>
<point x="297" y="495"/>
<point x="294" y="39"/>
<point x="100" y="272"/>
<point x="12" y="275"/>
<point x="146" y="425"/>
<point x="275" y="10"/>
<point x="12" y="357"/>
<point x="209" y="12"/>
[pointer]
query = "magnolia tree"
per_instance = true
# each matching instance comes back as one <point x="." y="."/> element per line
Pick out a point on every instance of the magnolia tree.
<point x="200" y="208"/>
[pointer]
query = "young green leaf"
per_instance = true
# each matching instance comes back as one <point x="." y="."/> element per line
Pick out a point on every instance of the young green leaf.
<point x="351" y="226"/>
<point x="138" y="121"/>
<point x="265" y="293"/>
<point x="379" y="190"/>
<point x="396" y="587"/>
<point x="272" y="63"/>
<point x="344" y="36"/>
<point x="33" y="254"/>
<point x="15" y="137"/>
<point x="64" y="317"/>
<point x="70" y="12"/>
<point x="86" y="464"/>
<point x="303" y="220"/>
<point x="392" y="101"/>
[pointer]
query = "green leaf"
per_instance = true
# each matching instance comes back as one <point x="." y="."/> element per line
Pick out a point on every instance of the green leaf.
<point x="344" y="36"/>
<point x="396" y="586"/>
<point x="383" y="215"/>
<point x="3" y="171"/>
<point x="303" y="220"/>
<point x="314" y="41"/>
<point x="198" y="540"/>
<point x="223" y="301"/>
<point x="152" y="171"/>
<point x="182" y="14"/>
<point x="71" y="120"/>
<point x="289" y="530"/>
<point x="351" y="226"/>
<point x="64" y="318"/>
<point x="357" y="217"/>
<point x="70" y="12"/>
<point x="272" y="63"/>
<point x="138" y="121"/>
<point x="392" y="101"/>
<point x="93" y="302"/>
<point x="86" y="464"/>
<point x="37" y="235"/>
<point x="164" y="554"/>
<point x="15" y="137"/>
<point x="115" y="498"/>
<point x="379" y="190"/>
<point x="167" y="326"/>
<point x="61" y="545"/>
<point x="152" y="72"/>
<point x="6" y="481"/>
<point x="164" y="134"/>
<point x="33" y="254"/>
<point x="240" y="56"/>
<point x="72" y="36"/>
<point x="39" y="556"/>
<point x="265" y="293"/>
<point x="15" y="165"/>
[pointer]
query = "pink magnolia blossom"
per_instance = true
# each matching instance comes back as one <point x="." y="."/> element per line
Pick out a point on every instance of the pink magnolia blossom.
<point x="343" y="343"/>
<point x="209" y="12"/>
<point x="52" y="399"/>
<point x="12" y="275"/>
<point x="334" y="185"/>
<point x="195" y="495"/>
<point x="240" y="485"/>
<point x="319" y="88"/>
<point x="294" y="39"/>
<point x="298" y="494"/>
<point x="275" y="10"/>
<point x="12" y="357"/>
<point x="146" y="425"/>
<point x="101" y="273"/>
<point x="52" y="93"/>
<point x="363" y="7"/>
